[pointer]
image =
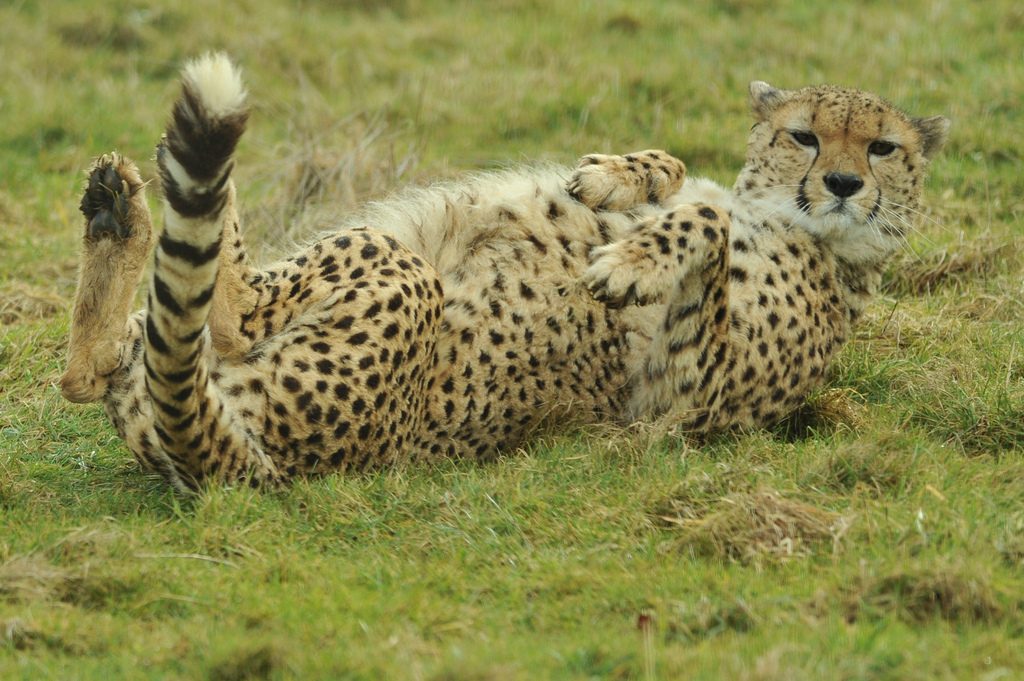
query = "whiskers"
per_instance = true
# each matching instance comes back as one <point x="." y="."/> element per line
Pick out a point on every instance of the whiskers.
<point x="786" y="207"/>
<point x="853" y="233"/>
<point x="898" y="220"/>
<point x="915" y="211"/>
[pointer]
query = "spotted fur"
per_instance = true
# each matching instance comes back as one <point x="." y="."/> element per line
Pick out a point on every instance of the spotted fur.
<point x="451" y="321"/>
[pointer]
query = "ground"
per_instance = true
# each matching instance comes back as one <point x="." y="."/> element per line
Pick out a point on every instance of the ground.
<point x="880" y="535"/>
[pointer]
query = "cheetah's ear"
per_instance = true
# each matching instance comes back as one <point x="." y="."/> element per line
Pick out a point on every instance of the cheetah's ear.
<point x="933" y="131"/>
<point x="764" y="99"/>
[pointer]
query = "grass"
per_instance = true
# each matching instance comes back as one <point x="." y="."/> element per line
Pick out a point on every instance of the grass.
<point x="878" y="534"/>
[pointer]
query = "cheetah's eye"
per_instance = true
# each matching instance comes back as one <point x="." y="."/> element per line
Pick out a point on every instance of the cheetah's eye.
<point x="804" y="138"/>
<point x="881" y="148"/>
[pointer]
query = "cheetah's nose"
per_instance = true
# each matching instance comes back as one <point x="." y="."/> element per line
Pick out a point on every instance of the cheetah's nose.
<point x="843" y="184"/>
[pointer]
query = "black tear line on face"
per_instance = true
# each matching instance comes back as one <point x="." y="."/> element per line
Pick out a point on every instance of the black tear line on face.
<point x="888" y="226"/>
<point x="802" y="202"/>
<point x="873" y="215"/>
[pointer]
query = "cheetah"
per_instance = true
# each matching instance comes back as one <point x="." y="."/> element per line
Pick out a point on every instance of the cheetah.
<point x="453" y="320"/>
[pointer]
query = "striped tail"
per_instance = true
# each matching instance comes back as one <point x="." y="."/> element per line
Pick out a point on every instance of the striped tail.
<point x="195" y="164"/>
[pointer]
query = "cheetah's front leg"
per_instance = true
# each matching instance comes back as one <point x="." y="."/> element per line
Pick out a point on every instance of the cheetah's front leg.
<point x="619" y="183"/>
<point x="681" y="257"/>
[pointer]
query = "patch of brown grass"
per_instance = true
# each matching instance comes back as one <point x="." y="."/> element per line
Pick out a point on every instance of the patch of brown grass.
<point x="19" y="634"/>
<point x="619" y="445"/>
<point x="84" y="543"/>
<point x="92" y="581"/>
<point x="325" y="171"/>
<point x="954" y="594"/>
<point x="878" y="464"/>
<point x="748" y="527"/>
<point x="624" y="22"/>
<point x="707" y="619"/>
<point x="252" y="662"/>
<point x="1010" y="542"/>
<point x="20" y="302"/>
<point x="121" y="37"/>
<point x="693" y="497"/>
<point x="32" y="578"/>
<point x="976" y="260"/>
<point x="15" y="633"/>
<point x="824" y="412"/>
<point x="130" y="30"/>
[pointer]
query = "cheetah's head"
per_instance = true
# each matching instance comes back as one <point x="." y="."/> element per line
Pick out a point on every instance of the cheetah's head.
<point x="844" y="165"/>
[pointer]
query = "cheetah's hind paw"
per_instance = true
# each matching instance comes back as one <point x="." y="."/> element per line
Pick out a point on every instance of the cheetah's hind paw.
<point x="618" y="275"/>
<point x="105" y="201"/>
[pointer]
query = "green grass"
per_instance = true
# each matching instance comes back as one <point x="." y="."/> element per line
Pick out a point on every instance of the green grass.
<point x="877" y="535"/>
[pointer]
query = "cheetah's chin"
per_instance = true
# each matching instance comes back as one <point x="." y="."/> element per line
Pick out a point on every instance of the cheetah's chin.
<point x="850" y="231"/>
<point x="852" y="238"/>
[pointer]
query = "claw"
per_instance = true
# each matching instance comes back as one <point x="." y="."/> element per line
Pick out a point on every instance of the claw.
<point x="630" y="296"/>
<point x="599" y="290"/>
<point x="597" y="287"/>
<point x="121" y="209"/>
<point x="112" y="181"/>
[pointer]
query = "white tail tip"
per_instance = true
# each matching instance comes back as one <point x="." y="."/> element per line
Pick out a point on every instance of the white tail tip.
<point x="217" y="83"/>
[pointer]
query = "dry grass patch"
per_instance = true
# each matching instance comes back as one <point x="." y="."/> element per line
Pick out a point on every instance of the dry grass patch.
<point x="20" y="302"/>
<point x="618" y="446"/>
<point x="1010" y="542"/>
<point x="78" y="569"/>
<point x="23" y="635"/>
<point x="877" y="465"/>
<point x="17" y="634"/>
<point x="749" y="527"/>
<point x="977" y="260"/>
<point x="826" y="411"/>
<point x="250" y="662"/>
<point x="32" y="578"/>
<point x="121" y="37"/>
<point x="326" y="170"/>
<point x="919" y="594"/>
<point x="707" y="619"/>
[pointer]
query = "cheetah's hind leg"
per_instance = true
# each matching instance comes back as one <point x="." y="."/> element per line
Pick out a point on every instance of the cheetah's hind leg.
<point x="648" y="263"/>
<point x="681" y="258"/>
<point x="115" y="247"/>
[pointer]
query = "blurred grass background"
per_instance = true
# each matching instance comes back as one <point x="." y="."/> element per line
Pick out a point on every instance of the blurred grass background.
<point x="879" y="534"/>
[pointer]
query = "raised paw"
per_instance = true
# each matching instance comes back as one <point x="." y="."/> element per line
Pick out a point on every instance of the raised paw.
<point x="622" y="182"/>
<point x="659" y="254"/>
<point x="106" y="203"/>
<point x="624" y="272"/>
<point x="118" y="233"/>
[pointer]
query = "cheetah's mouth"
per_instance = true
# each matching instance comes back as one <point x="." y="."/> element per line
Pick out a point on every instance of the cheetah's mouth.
<point x="848" y="212"/>
<point x="836" y="208"/>
<point x="839" y="207"/>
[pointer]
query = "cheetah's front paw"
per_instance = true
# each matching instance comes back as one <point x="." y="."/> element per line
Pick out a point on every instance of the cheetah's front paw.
<point x="622" y="182"/>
